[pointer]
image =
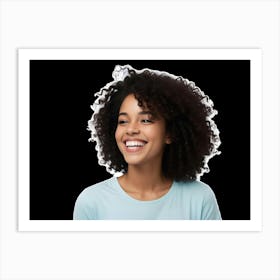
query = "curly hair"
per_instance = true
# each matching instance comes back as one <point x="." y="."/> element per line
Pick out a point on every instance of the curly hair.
<point x="187" y="112"/>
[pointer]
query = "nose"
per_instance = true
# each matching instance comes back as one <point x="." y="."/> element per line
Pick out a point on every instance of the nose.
<point x="132" y="128"/>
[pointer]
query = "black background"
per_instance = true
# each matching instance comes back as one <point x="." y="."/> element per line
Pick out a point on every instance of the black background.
<point x="63" y="162"/>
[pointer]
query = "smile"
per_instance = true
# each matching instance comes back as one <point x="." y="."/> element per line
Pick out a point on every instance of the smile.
<point x="133" y="144"/>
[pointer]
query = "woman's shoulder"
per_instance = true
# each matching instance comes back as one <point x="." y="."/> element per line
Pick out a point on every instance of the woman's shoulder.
<point x="98" y="188"/>
<point x="195" y="187"/>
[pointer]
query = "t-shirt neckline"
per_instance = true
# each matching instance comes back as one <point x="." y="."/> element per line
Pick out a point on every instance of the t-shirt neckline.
<point x="157" y="200"/>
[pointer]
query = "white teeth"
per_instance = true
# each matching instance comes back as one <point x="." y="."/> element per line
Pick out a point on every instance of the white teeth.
<point x="134" y="144"/>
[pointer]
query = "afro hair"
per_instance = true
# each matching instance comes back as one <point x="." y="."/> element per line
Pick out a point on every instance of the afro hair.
<point x="187" y="112"/>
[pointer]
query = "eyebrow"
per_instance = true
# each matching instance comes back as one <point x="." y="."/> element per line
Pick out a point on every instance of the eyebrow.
<point x="140" y="113"/>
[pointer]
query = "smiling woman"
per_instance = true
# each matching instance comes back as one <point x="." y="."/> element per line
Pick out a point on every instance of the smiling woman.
<point x="156" y="130"/>
<point x="140" y="137"/>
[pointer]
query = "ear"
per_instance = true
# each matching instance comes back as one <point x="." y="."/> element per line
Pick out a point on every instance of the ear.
<point x="168" y="140"/>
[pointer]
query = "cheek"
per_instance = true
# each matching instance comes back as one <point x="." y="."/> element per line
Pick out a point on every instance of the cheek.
<point x="157" y="132"/>
<point x="118" y="135"/>
<point x="117" y="139"/>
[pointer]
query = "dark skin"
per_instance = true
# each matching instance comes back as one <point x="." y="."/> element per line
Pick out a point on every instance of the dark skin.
<point x="141" y="139"/>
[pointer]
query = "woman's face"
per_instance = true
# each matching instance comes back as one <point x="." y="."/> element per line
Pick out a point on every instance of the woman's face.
<point x="140" y="135"/>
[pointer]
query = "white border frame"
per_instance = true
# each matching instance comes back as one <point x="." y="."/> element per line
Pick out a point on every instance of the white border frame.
<point x="254" y="55"/>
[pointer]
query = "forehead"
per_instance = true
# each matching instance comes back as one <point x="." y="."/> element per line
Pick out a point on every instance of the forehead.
<point x="130" y="106"/>
<point x="130" y="103"/>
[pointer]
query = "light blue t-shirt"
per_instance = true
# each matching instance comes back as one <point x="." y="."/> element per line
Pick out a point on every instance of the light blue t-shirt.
<point x="192" y="200"/>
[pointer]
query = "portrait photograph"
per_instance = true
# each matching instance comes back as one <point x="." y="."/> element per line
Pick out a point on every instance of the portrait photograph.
<point x="139" y="140"/>
<point x="77" y="168"/>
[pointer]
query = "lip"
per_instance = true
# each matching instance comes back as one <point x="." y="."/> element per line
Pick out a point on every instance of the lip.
<point x="135" y="145"/>
<point x="134" y="140"/>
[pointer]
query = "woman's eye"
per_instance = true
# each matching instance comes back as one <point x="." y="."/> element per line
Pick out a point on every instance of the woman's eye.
<point x="122" y="122"/>
<point x="146" y="121"/>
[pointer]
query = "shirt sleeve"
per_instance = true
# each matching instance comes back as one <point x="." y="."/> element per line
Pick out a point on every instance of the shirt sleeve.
<point x="210" y="210"/>
<point x="83" y="209"/>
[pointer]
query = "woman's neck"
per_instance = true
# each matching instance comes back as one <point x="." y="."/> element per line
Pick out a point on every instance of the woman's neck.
<point x="144" y="183"/>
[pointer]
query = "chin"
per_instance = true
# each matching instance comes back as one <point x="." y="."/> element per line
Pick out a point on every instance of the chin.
<point x="133" y="162"/>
